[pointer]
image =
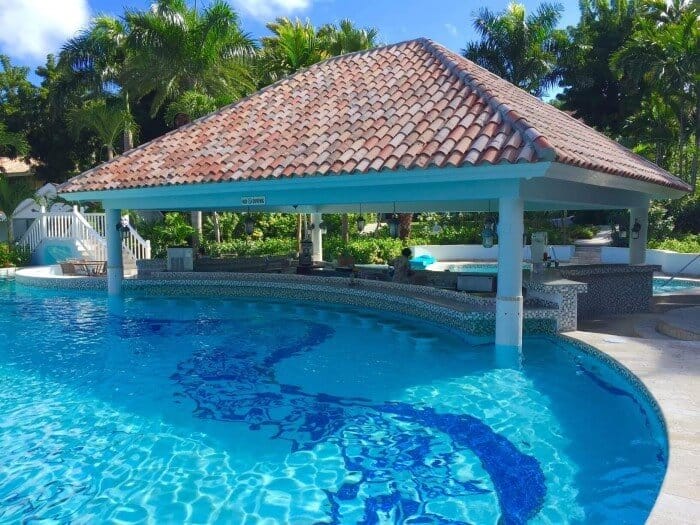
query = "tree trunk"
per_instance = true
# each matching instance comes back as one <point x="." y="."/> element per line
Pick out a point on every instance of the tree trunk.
<point x="405" y="220"/>
<point x="127" y="136"/>
<point x="10" y="230"/>
<point x="217" y="228"/>
<point x="681" y="143"/>
<point x="344" y="228"/>
<point x="696" y="153"/>
<point x="110" y="152"/>
<point x="299" y="232"/>
<point x="196" y="219"/>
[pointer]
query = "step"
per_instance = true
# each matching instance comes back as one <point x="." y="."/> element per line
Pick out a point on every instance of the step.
<point x="681" y="323"/>
<point x="647" y="329"/>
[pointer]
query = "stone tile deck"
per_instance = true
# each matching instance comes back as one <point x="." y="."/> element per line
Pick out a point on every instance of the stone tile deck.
<point x="670" y="370"/>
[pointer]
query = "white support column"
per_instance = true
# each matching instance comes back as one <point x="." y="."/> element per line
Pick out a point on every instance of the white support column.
<point x="115" y="266"/>
<point x="638" y="247"/>
<point x="317" y="237"/>
<point x="509" y="299"/>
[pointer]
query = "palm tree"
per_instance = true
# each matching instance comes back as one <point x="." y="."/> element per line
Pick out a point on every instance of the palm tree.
<point x="295" y="45"/>
<point x="97" y="60"/>
<point x="591" y="89"/>
<point x="654" y="129"/>
<point x="663" y="52"/>
<point x="107" y="122"/>
<point x="16" y="141"/>
<point x="192" y="61"/>
<point x="339" y="40"/>
<point x="176" y="50"/>
<point x="521" y="49"/>
<point x="11" y="195"/>
<point x="192" y="105"/>
<point x="347" y="38"/>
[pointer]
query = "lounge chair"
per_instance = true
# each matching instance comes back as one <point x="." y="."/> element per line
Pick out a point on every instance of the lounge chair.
<point x="67" y="268"/>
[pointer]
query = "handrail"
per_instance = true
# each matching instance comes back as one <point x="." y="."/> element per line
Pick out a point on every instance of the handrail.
<point x="32" y="237"/>
<point x="97" y="221"/>
<point x="84" y="228"/>
<point x="681" y="270"/>
<point x="139" y="247"/>
<point x="83" y="231"/>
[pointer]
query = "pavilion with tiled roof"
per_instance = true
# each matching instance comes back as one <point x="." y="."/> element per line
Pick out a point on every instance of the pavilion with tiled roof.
<point x="408" y="127"/>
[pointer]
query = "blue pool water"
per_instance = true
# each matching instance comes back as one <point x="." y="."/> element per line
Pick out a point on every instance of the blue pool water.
<point x="662" y="285"/>
<point x="208" y="410"/>
<point x="487" y="268"/>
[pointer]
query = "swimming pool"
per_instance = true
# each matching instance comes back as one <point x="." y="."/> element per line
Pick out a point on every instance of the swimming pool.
<point x="213" y="410"/>
<point x="663" y="286"/>
<point x="485" y="268"/>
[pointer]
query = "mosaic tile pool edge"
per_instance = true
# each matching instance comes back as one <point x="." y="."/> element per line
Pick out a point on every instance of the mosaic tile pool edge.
<point x="636" y="382"/>
<point x="368" y="294"/>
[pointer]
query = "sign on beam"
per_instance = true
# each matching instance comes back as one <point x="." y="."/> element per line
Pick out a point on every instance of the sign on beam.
<point x="253" y="201"/>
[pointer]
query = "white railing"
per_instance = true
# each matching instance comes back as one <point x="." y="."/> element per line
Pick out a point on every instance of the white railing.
<point x="135" y="244"/>
<point x="94" y="243"/>
<point x="88" y="229"/>
<point x="32" y="237"/>
<point x="97" y="221"/>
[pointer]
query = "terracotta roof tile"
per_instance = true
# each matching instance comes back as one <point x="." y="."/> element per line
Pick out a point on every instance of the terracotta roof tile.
<point x="411" y="105"/>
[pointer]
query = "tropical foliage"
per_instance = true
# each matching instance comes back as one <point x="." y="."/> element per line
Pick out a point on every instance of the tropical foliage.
<point x="627" y="67"/>
<point x="12" y="141"/>
<point x="11" y="256"/>
<point x="12" y="193"/>
<point x="106" y="121"/>
<point x="175" y="50"/>
<point x="519" y="47"/>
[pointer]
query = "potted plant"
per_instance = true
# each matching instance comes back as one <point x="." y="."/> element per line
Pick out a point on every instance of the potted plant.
<point x="175" y="233"/>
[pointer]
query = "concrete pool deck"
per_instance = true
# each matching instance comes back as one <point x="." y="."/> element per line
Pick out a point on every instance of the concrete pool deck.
<point x="669" y="369"/>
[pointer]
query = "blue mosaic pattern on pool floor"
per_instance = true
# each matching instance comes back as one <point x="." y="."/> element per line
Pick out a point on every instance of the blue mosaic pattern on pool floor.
<point x="232" y="385"/>
<point x="173" y="410"/>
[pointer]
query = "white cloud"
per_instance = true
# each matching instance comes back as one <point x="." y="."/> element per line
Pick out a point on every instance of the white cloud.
<point x="451" y="29"/>
<point x="267" y="9"/>
<point x="30" y="29"/>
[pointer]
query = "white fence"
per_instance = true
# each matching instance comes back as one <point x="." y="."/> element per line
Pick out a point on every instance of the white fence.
<point x="670" y="262"/>
<point x="476" y="252"/>
<point x="65" y="226"/>
<point x="88" y="230"/>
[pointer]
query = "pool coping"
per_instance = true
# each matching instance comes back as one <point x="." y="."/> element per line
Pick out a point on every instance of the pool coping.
<point x="668" y="370"/>
<point x="470" y="313"/>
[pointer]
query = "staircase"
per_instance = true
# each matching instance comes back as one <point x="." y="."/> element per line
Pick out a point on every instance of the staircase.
<point x="586" y="255"/>
<point x="88" y="231"/>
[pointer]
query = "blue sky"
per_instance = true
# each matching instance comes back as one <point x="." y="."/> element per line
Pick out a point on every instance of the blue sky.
<point x="29" y="29"/>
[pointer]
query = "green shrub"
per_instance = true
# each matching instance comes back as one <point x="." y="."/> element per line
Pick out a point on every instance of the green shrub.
<point x="365" y="250"/>
<point x="253" y="248"/>
<point x="579" y="231"/>
<point x="175" y="230"/>
<point x="686" y="212"/>
<point x="689" y="243"/>
<point x="11" y="256"/>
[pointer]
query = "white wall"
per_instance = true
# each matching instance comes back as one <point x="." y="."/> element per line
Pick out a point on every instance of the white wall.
<point x="476" y="252"/>
<point x="670" y="262"/>
<point x="51" y="251"/>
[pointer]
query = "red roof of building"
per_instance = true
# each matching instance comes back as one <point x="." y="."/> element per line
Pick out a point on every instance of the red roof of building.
<point x="409" y="105"/>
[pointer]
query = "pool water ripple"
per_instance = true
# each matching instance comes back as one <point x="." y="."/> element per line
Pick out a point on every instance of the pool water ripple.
<point x="172" y="410"/>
